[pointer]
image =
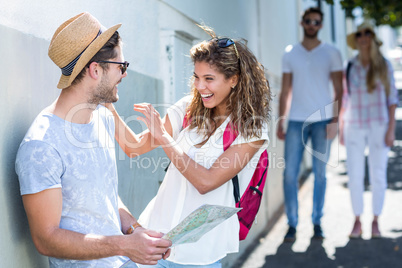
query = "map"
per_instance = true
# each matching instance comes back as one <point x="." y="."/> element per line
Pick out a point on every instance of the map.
<point x="195" y="225"/>
<point x="198" y="223"/>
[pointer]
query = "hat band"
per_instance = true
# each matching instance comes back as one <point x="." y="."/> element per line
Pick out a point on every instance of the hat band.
<point x="68" y="69"/>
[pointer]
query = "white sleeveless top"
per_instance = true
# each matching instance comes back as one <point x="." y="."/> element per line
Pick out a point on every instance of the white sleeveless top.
<point x="177" y="197"/>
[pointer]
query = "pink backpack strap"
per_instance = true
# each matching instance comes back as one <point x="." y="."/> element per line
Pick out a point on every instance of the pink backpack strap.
<point x="229" y="135"/>
<point x="186" y="121"/>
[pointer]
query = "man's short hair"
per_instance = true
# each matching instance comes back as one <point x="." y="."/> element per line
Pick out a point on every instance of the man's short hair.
<point x="313" y="10"/>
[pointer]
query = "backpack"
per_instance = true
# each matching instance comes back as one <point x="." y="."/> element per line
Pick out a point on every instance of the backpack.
<point x="250" y="201"/>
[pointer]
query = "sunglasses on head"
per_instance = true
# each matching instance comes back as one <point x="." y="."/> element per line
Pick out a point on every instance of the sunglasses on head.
<point x="123" y="65"/>
<point x="225" y="42"/>
<point x="365" y="33"/>
<point x="312" y="22"/>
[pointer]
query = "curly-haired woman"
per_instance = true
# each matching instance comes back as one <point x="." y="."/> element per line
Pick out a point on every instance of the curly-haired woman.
<point x="228" y="87"/>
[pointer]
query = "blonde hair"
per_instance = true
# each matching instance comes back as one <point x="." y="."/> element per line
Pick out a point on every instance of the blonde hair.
<point x="377" y="69"/>
<point x="249" y="101"/>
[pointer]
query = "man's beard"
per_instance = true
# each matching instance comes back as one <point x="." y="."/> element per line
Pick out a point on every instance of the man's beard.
<point x="312" y="36"/>
<point x="103" y="93"/>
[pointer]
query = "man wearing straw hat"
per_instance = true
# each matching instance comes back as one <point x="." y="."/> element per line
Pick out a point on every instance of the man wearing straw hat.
<point x="308" y="68"/>
<point x="66" y="162"/>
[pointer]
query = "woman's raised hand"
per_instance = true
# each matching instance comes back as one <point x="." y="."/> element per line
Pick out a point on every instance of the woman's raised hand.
<point x="152" y="119"/>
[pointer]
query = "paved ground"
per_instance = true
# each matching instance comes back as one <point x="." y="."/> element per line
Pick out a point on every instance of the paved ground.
<point x="337" y="250"/>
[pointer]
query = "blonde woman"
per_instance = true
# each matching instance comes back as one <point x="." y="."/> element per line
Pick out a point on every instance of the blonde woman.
<point x="228" y="87"/>
<point x="368" y="120"/>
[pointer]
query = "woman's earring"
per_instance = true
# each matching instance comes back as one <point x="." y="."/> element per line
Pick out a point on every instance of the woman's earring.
<point x="233" y="86"/>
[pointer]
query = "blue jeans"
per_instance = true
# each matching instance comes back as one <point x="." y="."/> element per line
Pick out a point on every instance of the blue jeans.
<point x="297" y="135"/>
<point x="169" y="264"/>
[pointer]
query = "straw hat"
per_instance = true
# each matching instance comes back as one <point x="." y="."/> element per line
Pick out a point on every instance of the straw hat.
<point x="74" y="44"/>
<point x="351" y="39"/>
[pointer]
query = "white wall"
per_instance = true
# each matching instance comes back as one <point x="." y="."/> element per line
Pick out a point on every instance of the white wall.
<point x="230" y="18"/>
<point x="21" y="98"/>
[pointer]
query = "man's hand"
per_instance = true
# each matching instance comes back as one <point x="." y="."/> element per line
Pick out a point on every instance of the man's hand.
<point x="146" y="246"/>
<point x="280" y="133"/>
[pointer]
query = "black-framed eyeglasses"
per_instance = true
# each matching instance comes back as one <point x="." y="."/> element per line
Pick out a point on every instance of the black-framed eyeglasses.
<point x="312" y="22"/>
<point x="367" y="32"/>
<point x="123" y="65"/>
<point x="225" y="42"/>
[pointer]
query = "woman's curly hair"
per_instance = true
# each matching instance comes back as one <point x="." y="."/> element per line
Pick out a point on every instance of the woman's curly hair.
<point x="248" y="102"/>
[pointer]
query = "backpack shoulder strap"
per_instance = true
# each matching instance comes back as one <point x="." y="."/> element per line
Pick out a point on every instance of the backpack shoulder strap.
<point x="347" y="75"/>
<point x="236" y="189"/>
<point x="186" y="121"/>
<point x="229" y="135"/>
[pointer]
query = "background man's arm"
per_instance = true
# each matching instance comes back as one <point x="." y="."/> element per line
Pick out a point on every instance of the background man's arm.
<point x="284" y="98"/>
<point x="336" y="78"/>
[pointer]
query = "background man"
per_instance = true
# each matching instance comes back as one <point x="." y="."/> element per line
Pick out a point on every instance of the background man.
<point x="307" y="70"/>
<point x="66" y="162"/>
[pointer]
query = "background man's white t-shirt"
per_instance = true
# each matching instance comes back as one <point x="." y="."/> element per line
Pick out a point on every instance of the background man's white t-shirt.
<point x="312" y="95"/>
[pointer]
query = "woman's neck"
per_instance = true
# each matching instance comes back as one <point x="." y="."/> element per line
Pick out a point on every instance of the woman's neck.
<point x="364" y="57"/>
<point x="221" y="113"/>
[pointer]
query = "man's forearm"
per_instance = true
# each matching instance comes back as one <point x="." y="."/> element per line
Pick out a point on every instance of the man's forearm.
<point x="282" y="105"/>
<point x="65" y="244"/>
<point x="338" y="104"/>
<point x="338" y="90"/>
<point x="286" y="89"/>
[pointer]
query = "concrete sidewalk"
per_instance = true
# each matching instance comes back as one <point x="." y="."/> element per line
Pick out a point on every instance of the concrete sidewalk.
<point x="337" y="250"/>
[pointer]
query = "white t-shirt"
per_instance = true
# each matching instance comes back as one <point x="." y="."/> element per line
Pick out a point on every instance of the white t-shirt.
<point x="79" y="159"/>
<point x="177" y="197"/>
<point x="312" y="97"/>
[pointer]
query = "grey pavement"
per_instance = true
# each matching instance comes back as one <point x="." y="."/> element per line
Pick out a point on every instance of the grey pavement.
<point x="337" y="250"/>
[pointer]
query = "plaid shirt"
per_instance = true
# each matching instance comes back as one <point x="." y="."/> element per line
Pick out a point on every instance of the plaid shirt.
<point x="362" y="109"/>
